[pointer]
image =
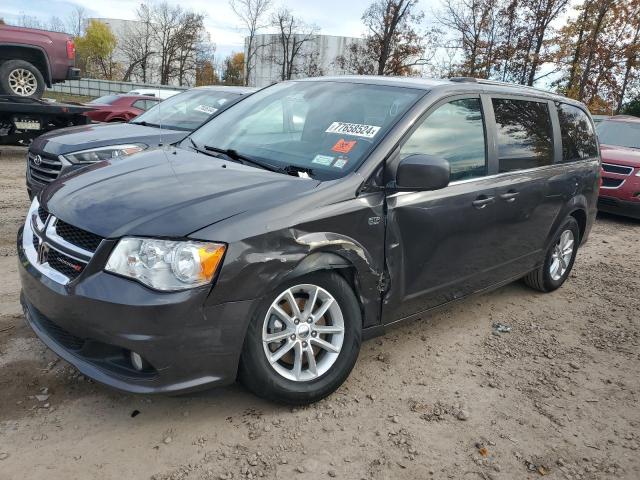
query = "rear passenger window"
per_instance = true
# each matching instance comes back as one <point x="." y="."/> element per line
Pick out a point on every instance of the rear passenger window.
<point x="578" y="138"/>
<point x="524" y="134"/>
<point x="454" y="131"/>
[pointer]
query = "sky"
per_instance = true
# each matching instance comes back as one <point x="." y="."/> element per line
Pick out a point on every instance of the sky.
<point x="333" y="17"/>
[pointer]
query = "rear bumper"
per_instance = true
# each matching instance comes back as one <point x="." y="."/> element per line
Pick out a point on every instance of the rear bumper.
<point x="73" y="73"/>
<point x="95" y="323"/>
<point x="619" y="207"/>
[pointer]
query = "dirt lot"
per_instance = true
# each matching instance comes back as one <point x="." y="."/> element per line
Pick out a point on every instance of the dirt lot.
<point x="443" y="397"/>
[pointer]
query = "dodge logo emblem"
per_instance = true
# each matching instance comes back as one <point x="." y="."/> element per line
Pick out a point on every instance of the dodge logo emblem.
<point x="37" y="160"/>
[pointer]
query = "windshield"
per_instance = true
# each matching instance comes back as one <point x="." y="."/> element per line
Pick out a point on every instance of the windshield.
<point x="327" y="127"/>
<point x="106" y="100"/>
<point x="622" y="134"/>
<point x="188" y="110"/>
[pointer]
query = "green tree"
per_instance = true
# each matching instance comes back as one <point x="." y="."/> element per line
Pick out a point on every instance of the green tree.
<point x="95" y="49"/>
<point x="632" y="108"/>
<point x="233" y="73"/>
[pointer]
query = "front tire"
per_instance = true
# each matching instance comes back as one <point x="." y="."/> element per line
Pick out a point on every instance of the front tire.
<point x="22" y="79"/>
<point x="303" y="340"/>
<point x="559" y="259"/>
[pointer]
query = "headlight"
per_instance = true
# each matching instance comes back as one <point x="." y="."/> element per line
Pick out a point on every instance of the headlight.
<point x="104" y="153"/>
<point x="166" y="264"/>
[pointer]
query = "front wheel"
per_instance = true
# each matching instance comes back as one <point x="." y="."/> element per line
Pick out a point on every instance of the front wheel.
<point x="303" y="341"/>
<point x="559" y="259"/>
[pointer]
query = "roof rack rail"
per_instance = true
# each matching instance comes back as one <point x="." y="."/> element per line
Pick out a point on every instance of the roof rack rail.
<point x="464" y="79"/>
<point x="484" y="81"/>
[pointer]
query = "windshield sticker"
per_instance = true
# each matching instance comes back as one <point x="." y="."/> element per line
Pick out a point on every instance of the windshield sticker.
<point x="209" y="110"/>
<point x="354" y="129"/>
<point x="343" y="146"/>
<point x="341" y="162"/>
<point x="323" y="160"/>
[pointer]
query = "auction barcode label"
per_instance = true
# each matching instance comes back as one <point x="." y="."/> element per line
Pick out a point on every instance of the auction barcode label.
<point x="355" y="129"/>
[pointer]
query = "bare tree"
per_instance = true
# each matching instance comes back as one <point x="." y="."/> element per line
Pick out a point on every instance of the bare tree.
<point x="77" y="21"/>
<point x="252" y="14"/>
<point x="392" y="45"/>
<point x="176" y="34"/>
<point x="29" y="21"/>
<point x="56" y="24"/>
<point x="136" y="45"/>
<point x="288" y="50"/>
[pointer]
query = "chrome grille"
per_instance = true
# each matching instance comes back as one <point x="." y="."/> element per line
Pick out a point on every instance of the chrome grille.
<point x="76" y="236"/>
<point x="57" y="249"/>
<point x="44" y="170"/>
<point x="619" y="169"/>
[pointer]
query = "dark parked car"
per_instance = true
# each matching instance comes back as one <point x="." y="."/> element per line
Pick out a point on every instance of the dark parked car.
<point x="119" y="108"/>
<point x="32" y="59"/>
<point x="66" y="150"/>
<point x="301" y="220"/>
<point x="620" y="145"/>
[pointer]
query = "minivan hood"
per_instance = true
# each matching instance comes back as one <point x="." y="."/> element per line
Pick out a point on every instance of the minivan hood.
<point x="620" y="155"/>
<point x="168" y="192"/>
<point x="82" y="137"/>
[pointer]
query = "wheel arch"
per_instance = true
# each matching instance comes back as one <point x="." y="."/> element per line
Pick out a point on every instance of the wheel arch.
<point x="29" y="53"/>
<point x="330" y="261"/>
<point x="581" y="217"/>
<point x="577" y="208"/>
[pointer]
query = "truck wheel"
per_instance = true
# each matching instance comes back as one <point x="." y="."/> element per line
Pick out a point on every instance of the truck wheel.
<point x="21" y="79"/>
<point x="303" y="340"/>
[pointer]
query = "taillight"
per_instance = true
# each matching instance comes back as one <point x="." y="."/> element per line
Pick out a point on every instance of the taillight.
<point x="71" y="50"/>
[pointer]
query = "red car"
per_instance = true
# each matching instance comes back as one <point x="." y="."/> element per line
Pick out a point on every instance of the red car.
<point x="119" y="108"/>
<point x="620" y="148"/>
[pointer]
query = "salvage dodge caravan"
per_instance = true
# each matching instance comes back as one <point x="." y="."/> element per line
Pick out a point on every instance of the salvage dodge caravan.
<point x="306" y="217"/>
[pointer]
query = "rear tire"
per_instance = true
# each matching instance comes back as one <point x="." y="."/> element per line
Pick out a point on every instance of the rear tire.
<point x="322" y="369"/>
<point x="558" y="261"/>
<point x="22" y="79"/>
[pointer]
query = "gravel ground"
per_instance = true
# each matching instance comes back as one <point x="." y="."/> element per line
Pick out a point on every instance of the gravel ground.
<point x="442" y="397"/>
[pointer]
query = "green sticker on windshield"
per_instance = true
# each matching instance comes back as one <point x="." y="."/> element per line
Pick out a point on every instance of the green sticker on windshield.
<point x="323" y="160"/>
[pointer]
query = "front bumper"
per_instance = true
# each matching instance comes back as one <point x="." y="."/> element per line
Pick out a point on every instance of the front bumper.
<point x="619" y="207"/>
<point x="95" y="321"/>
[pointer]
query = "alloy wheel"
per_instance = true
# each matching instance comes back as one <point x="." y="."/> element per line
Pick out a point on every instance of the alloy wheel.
<point x="303" y="332"/>
<point x="561" y="255"/>
<point x="23" y="82"/>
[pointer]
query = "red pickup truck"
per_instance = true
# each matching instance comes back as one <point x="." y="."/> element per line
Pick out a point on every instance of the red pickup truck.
<point x="31" y="59"/>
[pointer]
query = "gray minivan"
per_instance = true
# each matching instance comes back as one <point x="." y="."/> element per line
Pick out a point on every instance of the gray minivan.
<point x="300" y="220"/>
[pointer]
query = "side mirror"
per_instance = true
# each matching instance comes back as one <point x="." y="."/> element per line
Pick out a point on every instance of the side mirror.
<point x="423" y="172"/>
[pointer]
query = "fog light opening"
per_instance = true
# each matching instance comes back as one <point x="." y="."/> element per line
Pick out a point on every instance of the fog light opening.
<point x="138" y="362"/>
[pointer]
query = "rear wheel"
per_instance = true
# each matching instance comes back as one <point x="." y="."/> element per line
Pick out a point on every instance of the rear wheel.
<point x="559" y="259"/>
<point x="303" y="341"/>
<point x="21" y="78"/>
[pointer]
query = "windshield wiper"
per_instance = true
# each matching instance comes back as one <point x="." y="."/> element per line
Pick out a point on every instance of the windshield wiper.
<point x="233" y="154"/>
<point x="238" y="157"/>
<point x="147" y="124"/>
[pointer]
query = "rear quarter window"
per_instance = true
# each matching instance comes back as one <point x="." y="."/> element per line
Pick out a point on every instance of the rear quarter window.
<point x="524" y="134"/>
<point x="578" y="137"/>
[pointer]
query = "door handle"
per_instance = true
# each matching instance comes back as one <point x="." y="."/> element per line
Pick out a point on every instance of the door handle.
<point x="510" y="196"/>
<point x="482" y="201"/>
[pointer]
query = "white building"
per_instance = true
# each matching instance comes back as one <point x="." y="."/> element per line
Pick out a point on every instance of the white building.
<point x="317" y="57"/>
